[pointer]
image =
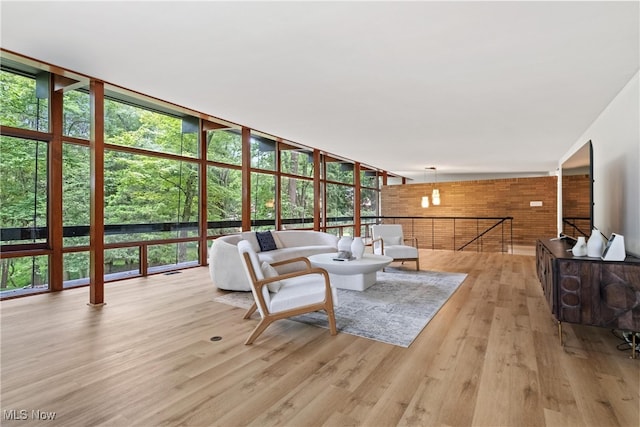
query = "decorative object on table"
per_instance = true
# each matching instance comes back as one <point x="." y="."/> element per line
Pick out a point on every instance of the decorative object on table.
<point x="357" y="247"/>
<point x="595" y="244"/>
<point x="344" y="244"/>
<point x="394" y="310"/>
<point x="344" y="256"/>
<point x="614" y="251"/>
<point x="580" y="248"/>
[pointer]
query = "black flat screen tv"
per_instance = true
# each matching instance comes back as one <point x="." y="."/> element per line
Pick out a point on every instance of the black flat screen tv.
<point x="577" y="193"/>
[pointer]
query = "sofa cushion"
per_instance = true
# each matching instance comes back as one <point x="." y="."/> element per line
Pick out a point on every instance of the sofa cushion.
<point x="250" y="236"/>
<point x="276" y="238"/>
<point x="299" y="291"/>
<point x="401" y="251"/>
<point x="291" y="238"/>
<point x="288" y="253"/>
<point x="266" y="241"/>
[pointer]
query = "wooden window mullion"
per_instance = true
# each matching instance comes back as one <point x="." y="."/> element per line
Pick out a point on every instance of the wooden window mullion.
<point x="96" y="238"/>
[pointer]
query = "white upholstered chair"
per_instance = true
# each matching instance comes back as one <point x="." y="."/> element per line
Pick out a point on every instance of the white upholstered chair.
<point x="286" y="295"/>
<point x="389" y="240"/>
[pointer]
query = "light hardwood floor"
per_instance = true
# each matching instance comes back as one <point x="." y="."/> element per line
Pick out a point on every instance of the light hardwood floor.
<point x="490" y="357"/>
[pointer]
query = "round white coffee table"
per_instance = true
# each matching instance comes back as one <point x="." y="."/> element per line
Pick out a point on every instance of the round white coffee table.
<point x="356" y="275"/>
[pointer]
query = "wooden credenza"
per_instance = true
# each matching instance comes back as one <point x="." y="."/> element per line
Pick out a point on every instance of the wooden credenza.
<point x="589" y="291"/>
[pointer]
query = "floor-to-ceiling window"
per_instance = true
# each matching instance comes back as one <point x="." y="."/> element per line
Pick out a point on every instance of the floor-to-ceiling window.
<point x="370" y="184"/>
<point x="24" y="160"/>
<point x="150" y="187"/>
<point x="296" y="186"/>
<point x="339" y="195"/>
<point x="224" y="181"/>
<point x="173" y="180"/>
<point x="76" y="186"/>
<point x="263" y="181"/>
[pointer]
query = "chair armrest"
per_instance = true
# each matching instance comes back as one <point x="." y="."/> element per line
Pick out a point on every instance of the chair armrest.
<point x="379" y="239"/>
<point x="315" y="270"/>
<point x="292" y="260"/>
<point x="414" y="241"/>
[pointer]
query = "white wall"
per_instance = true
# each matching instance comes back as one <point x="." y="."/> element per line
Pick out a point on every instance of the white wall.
<point x="615" y="135"/>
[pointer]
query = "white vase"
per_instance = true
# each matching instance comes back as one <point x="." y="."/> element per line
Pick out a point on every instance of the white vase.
<point x="595" y="244"/>
<point x="344" y="244"/>
<point x="357" y="247"/>
<point x="580" y="249"/>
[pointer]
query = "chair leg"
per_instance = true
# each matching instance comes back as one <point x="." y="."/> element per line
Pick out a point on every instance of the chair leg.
<point x="332" y="320"/>
<point x="251" y="310"/>
<point x="418" y="264"/>
<point x="258" y="330"/>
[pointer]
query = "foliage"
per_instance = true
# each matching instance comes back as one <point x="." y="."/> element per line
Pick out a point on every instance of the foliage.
<point x="148" y="186"/>
<point x="20" y="107"/>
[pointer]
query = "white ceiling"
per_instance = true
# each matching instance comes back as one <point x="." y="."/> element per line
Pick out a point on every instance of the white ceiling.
<point x="469" y="87"/>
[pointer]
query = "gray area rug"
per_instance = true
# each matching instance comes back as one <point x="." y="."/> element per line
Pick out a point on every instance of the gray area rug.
<point x="393" y="311"/>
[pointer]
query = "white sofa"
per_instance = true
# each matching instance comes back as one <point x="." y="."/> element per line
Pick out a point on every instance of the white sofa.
<point x="225" y="264"/>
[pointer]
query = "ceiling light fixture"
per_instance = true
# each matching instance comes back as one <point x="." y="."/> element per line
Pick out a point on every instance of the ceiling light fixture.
<point x="425" y="199"/>
<point x="435" y="194"/>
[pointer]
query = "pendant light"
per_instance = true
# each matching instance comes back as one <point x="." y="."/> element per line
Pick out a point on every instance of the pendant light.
<point x="435" y="194"/>
<point x="425" y="199"/>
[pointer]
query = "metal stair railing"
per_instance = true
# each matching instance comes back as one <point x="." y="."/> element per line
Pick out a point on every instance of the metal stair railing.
<point x="481" y="235"/>
<point x="571" y="223"/>
<point x="412" y="225"/>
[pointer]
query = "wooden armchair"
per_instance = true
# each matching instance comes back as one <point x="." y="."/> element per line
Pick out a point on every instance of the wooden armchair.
<point x="389" y="240"/>
<point x="286" y="295"/>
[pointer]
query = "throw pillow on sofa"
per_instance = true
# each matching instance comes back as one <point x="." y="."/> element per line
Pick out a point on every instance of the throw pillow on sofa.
<point x="268" y="271"/>
<point x="266" y="241"/>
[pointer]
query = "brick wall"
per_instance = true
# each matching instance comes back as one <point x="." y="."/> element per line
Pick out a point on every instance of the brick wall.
<point x="486" y="198"/>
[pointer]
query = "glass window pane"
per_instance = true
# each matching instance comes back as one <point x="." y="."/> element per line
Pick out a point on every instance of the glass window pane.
<point x="23" y="190"/>
<point x="76" y="121"/>
<point x="224" y="201"/>
<point x="297" y="162"/>
<point x="340" y="172"/>
<point x="224" y="146"/>
<point x="263" y="192"/>
<point x="24" y="275"/>
<point x="121" y="263"/>
<point x="75" y="194"/>
<point x="339" y="204"/>
<point x="20" y="106"/>
<point x="149" y="198"/>
<point x="369" y="202"/>
<point x="172" y="256"/>
<point x="132" y="126"/>
<point x="263" y="152"/>
<point x="369" y="178"/>
<point x="76" y="269"/>
<point x="297" y="203"/>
